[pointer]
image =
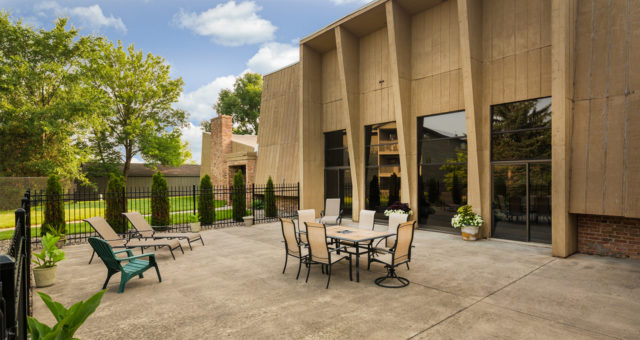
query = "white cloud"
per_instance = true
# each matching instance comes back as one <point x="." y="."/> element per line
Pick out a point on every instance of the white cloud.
<point x="229" y="24"/>
<point x="343" y="2"/>
<point x="137" y="160"/>
<point x="199" y="102"/>
<point x="192" y="134"/>
<point x="273" y="56"/>
<point x="89" y="17"/>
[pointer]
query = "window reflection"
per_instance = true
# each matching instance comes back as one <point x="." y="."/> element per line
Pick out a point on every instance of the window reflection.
<point x="337" y="175"/>
<point x="382" y="175"/>
<point x="442" y="168"/>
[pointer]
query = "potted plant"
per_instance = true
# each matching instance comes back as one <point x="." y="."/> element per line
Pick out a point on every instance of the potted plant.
<point x="195" y="227"/>
<point x="468" y="222"/>
<point x="45" y="272"/>
<point x="398" y="208"/>
<point x="248" y="221"/>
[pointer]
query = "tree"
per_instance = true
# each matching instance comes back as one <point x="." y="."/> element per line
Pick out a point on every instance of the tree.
<point x="394" y="189"/>
<point x="116" y="201"/>
<point x="159" y="201"/>
<point x="238" y="199"/>
<point x="206" y="209"/>
<point x="45" y="111"/>
<point x="136" y="114"/>
<point x="270" y="209"/>
<point x="54" y="222"/>
<point x="242" y="104"/>
<point x="374" y="193"/>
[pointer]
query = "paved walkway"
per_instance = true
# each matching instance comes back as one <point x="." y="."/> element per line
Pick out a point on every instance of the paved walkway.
<point x="233" y="287"/>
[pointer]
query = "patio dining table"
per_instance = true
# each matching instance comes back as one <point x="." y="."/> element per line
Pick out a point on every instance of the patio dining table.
<point x="356" y="236"/>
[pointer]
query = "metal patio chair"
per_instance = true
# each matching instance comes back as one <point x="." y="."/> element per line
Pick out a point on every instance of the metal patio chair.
<point x="320" y="253"/>
<point x="332" y="214"/>
<point x="304" y="216"/>
<point x="145" y="230"/>
<point x="292" y="244"/>
<point x="399" y="254"/>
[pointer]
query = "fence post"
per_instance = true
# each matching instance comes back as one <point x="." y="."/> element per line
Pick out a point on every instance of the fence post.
<point x="194" y="200"/>
<point x="124" y="208"/>
<point x="298" y="196"/>
<point x="253" y="201"/>
<point x="26" y="205"/>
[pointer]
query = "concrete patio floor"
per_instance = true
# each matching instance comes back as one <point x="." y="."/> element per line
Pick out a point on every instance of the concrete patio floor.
<point x="233" y="287"/>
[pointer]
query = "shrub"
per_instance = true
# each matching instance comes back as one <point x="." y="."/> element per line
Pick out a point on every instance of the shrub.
<point x="239" y="201"/>
<point x="270" y="200"/>
<point x="374" y="193"/>
<point x="257" y="203"/>
<point x="54" y="208"/>
<point x="116" y="202"/>
<point x="206" y="210"/>
<point x="159" y="201"/>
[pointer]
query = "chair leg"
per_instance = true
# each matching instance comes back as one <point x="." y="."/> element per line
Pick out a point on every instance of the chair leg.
<point x="189" y="241"/>
<point x="308" y="270"/>
<point x="201" y="240"/>
<point x="141" y="276"/>
<point x="182" y="250"/>
<point x="91" y="259"/>
<point x="123" y="282"/>
<point x="286" y="257"/>
<point x="407" y="263"/>
<point x="299" y="267"/>
<point x="171" y="250"/>
<point x="350" y="271"/>
<point x="329" y="279"/>
<point x="109" y="274"/>
<point x="158" y="272"/>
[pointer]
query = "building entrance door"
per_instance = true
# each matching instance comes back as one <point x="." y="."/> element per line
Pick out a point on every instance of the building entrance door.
<point x="337" y="184"/>
<point x="521" y="202"/>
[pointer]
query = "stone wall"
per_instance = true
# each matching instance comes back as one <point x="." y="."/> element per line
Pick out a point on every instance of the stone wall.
<point x="609" y="236"/>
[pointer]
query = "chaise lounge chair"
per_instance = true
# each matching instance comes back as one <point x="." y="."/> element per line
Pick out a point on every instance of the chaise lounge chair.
<point x="134" y="268"/>
<point x="144" y="229"/>
<point x="106" y="233"/>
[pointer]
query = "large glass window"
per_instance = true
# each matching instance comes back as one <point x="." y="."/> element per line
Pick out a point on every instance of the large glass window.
<point x="337" y="174"/>
<point x="442" y="168"/>
<point x="382" y="177"/>
<point x="521" y="170"/>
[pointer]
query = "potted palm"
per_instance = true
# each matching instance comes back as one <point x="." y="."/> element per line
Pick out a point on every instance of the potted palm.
<point x="45" y="272"/>
<point x="468" y="222"/>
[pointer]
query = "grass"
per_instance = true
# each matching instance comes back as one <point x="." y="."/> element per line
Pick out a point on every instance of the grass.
<point x="83" y="227"/>
<point x="75" y="211"/>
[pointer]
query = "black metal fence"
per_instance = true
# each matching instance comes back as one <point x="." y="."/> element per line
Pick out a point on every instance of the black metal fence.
<point x="183" y="203"/>
<point x="15" y="279"/>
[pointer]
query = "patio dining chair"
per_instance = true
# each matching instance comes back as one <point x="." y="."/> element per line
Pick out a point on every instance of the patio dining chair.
<point x="366" y="222"/>
<point x="115" y="241"/>
<point x="332" y="214"/>
<point x="394" y="221"/>
<point x="134" y="267"/>
<point x="304" y="216"/>
<point x="292" y="244"/>
<point x="399" y="254"/>
<point x="320" y="253"/>
<point x="145" y="230"/>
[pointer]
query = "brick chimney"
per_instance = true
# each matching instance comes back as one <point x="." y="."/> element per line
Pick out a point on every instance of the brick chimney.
<point x="221" y="132"/>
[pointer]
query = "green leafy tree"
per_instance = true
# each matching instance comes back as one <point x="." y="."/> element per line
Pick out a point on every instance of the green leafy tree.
<point x="54" y="222"/>
<point x="374" y="193"/>
<point x="159" y="201"/>
<point x="116" y="201"/>
<point x="242" y="104"/>
<point x="532" y="144"/>
<point x="239" y="197"/>
<point x="270" y="209"/>
<point x="45" y="111"/>
<point x="136" y="115"/>
<point x="206" y="209"/>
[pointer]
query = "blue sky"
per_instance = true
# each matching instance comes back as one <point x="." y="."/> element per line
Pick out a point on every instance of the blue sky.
<point x="207" y="43"/>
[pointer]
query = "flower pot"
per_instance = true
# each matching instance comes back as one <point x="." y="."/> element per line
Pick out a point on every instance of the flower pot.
<point x="44" y="276"/>
<point x="470" y="232"/>
<point x="248" y="221"/>
<point x="61" y="242"/>
<point x="195" y="227"/>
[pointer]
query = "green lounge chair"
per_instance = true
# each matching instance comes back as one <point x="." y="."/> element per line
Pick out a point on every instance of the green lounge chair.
<point x="134" y="268"/>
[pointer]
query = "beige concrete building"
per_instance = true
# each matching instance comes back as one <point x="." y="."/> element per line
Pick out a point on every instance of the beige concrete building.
<point x="527" y="110"/>
<point x="224" y="153"/>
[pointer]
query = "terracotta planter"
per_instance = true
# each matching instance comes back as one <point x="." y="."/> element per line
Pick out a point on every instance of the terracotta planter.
<point x="248" y="221"/>
<point x="195" y="227"/>
<point x="44" y="277"/>
<point x="469" y="232"/>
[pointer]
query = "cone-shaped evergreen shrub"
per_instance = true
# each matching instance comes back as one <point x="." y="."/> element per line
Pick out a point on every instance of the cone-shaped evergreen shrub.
<point x="159" y="201"/>
<point x="54" y="208"/>
<point x="116" y="203"/>
<point x="374" y="193"/>
<point x="206" y="210"/>
<point x="239" y="202"/>
<point x="394" y="189"/>
<point x="270" y="209"/>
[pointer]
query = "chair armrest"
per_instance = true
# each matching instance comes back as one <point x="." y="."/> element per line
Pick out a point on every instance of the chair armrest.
<point x="341" y="211"/>
<point x="149" y="255"/>
<point x="383" y="250"/>
<point x="321" y="213"/>
<point x="128" y="251"/>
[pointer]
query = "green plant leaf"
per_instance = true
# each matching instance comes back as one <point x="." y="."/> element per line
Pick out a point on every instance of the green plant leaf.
<point x="78" y="315"/>
<point x="57" y="309"/>
<point x="37" y="329"/>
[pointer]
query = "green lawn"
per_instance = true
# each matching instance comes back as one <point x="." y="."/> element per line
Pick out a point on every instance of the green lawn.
<point x="75" y="211"/>
<point x="82" y="227"/>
